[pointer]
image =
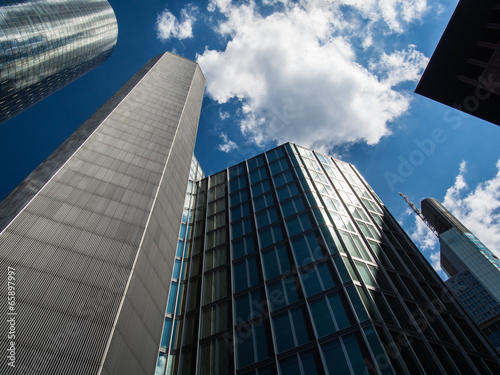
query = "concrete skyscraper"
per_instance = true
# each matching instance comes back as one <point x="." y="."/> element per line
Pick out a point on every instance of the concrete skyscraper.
<point x="88" y="240"/>
<point x="288" y="263"/>
<point x="473" y="269"/>
<point x="46" y="44"/>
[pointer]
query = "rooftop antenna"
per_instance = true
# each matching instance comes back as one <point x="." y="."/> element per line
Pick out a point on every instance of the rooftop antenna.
<point x="419" y="214"/>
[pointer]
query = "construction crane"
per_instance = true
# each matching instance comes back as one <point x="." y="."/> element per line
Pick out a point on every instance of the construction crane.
<point x="419" y="214"/>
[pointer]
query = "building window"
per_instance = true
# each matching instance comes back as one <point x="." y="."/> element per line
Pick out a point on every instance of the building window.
<point x="269" y="216"/>
<point x="282" y="292"/>
<point x="276" y="262"/>
<point x="317" y="279"/>
<point x="330" y="314"/>
<point x="252" y="344"/>
<point x="290" y="330"/>
<point x="306" y="249"/>
<point x="246" y="274"/>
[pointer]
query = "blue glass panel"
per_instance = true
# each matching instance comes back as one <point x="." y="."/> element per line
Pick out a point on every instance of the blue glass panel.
<point x="283" y="332"/>
<point x="277" y="296"/>
<point x="311" y="282"/>
<point x="266" y="237"/>
<point x="335" y="359"/>
<point x="325" y="275"/>
<point x="293" y="226"/>
<point x="260" y="332"/>
<point x="171" y="298"/>
<point x="322" y="317"/>
<point x="161" y="364"/>
<point x="271" y="268"/>
<point x="245" y="350"/>
<point x="359" y="308"/>
<point x="308" y="363"/>
<point x="290" y="366"/>
<point x="338" y="311"/>
<point x="253" y="274"/>
<point x="301" y="251"/>
<point x="177" y="269"/>
<point x="238" y="248"/>
<point x="354" y="354"/>
<point x="240" y="276"/>
<point x="180" y="247"/>
<point x="283" y="258"/>
<point x="242" y="311"/>
<point x="299" y="326"/>
<point x="378" y="351"/>
<point x="182" y="232"/>
<point x="165" y="337"/>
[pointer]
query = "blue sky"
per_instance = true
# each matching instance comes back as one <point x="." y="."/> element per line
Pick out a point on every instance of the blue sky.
<point x="337" y="76"/>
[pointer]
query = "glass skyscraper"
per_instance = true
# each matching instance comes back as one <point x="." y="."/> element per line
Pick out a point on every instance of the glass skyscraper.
<point x="292" y="265"/>
<point x="472" y="268"/>
<point x="46" y="44"/>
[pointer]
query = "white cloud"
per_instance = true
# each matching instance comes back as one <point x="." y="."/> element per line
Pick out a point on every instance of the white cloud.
<point x="478" y="208"/>
<point x="227" y="145"/>
<point x="168" y="26"/>
<point x="295" y="71"/>
<point x="401" y="66"/>
<point x="423" y="236"/>
<point x="223" y="115"/>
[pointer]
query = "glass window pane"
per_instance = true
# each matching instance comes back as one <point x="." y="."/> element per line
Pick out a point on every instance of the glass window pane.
<point x="290" y="366"/>
<point x="311" y="281"/>
<point x="299" y="326"/>
<point x="322" y="317"/>
<point x="283" y="332"/>
<point x="335" y="359"/>
<point x="338" y="310"/>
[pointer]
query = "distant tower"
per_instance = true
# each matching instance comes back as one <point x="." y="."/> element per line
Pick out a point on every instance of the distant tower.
<point x="46" y="44"/>
<point x="473" y="269"/>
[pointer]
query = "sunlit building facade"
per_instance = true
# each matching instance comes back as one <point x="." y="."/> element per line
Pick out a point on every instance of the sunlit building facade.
<point x="92" y="233"/>
<point x="294" y="266"/>
<point x="46" y="44"/>
<point x="472" y="268"/>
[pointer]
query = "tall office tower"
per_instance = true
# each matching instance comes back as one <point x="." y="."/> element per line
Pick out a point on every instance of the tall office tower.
<point x="464" y="70"/>
<point x="473" y="270"/>
<point x="91" y="235"/>
<point x="46" y="44"/>
<point x="294" y="266"/>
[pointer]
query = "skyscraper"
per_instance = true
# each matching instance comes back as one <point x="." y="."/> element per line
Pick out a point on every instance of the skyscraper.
<point x="89" y="238"/>
<point x="292" y="265"/>
<point x="46" y="44"/>
<point x="473" y="269"/>
<point x="463" y="71"/>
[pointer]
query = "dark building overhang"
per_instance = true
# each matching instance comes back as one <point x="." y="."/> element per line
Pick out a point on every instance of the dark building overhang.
<point x="464" y="71"/>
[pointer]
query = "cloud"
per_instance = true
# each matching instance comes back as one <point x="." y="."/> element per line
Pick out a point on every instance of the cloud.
<point x="167" y="25"/>
<point x="401" y="66"/>
<point x="227" y="145"/>
<point x="223" y="115"/>
<point x="295" y="73"/>
<point x="423" y="236"/>
<point x="477" y="208"/>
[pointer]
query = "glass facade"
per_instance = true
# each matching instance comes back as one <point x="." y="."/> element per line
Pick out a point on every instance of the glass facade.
<point x="296" y="267"/>
<point x="473" y="269"/>
<point x="46" y="44"/>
